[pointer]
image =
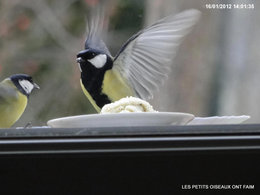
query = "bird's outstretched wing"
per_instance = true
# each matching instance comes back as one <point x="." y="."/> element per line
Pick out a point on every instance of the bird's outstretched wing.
<point x="146" y="58"/>
<point x="95" y="30"/>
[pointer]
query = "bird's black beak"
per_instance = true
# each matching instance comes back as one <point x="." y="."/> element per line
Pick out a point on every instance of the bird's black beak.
<point x="36" y="86"/>
<point x="80" y="54"/>
<point x="80" y="60"/>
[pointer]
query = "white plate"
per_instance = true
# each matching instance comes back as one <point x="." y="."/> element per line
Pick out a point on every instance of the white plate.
<point x="219" y="120"/>
<point x="122" y="120"/>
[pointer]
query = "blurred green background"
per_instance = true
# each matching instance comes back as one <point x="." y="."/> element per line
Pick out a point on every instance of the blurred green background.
<point x="216" y="71"/>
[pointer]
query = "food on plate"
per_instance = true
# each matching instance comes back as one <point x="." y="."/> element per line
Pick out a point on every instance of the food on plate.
<point x="127" y="105"/>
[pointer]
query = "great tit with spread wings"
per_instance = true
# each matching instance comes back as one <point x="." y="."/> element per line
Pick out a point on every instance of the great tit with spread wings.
<point x="141" y="65"/>
<point x="14" y="94"/>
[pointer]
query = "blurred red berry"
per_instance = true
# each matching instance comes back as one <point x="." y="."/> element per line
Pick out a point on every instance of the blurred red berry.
<point x="92" y="2"/>
<point x="23" y="22"/>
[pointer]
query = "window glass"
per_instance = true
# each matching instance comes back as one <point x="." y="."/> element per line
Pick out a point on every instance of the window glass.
<point x="215" y="70"/>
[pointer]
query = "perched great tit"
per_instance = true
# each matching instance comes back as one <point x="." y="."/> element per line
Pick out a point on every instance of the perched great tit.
<point x="14" y="93"/>
<point x="141" y="65"/>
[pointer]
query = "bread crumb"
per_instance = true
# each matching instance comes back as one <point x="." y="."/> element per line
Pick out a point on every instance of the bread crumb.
<point x="127" y="105"/>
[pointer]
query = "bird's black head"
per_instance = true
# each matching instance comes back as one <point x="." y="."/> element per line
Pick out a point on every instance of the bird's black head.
<point x="24" y="83"/>
<point x="93" y="59"/>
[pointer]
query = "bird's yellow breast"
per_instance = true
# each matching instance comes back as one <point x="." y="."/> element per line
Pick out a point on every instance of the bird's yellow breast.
<point x="11" y="110"/>
<point x="115" y="86"/>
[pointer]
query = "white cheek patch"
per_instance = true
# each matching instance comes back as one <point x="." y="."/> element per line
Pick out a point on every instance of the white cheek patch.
<point x="26" y="85"/>
<point x="99" y="61"/>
